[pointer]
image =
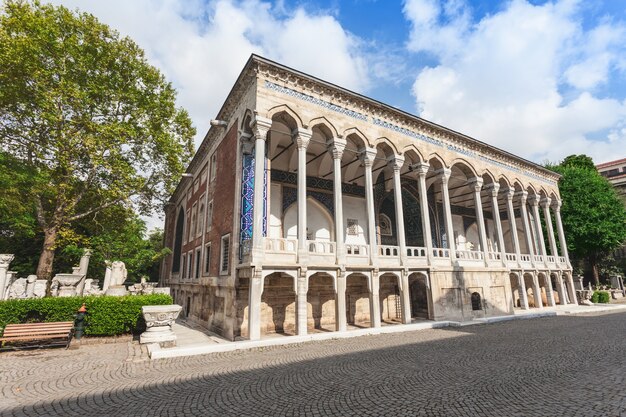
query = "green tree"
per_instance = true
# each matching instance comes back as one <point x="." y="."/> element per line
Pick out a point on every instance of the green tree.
<point x="593" y="215"/>
<point x="80" y="106"/>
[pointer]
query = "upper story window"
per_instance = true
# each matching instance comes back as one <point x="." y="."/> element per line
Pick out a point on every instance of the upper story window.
<point x="194" y="219"/>
<point x="200" y="225"/>
<point x="225" y="255"/>
<point x="213" y="165"/>
<point x="209" y="216"/>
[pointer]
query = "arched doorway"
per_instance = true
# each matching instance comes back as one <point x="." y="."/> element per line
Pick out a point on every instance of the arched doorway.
<point x="357" y="300"/>
<point x="321" y="303"/>
<point x="420" y="296"/>
<point x="390" y="299"/>
<point x="515" y="289"/>
<point x="278" y="304"/>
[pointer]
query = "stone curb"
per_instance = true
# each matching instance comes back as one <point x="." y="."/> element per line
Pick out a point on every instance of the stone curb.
<point x="156" y="352"/>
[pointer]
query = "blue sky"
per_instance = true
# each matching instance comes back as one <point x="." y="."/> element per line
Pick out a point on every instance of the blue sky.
<point x="540" y="79"/>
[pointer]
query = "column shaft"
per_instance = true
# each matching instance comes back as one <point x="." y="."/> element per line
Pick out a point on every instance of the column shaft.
<point x="368" y="160"/>
<point x="422" y="169"/>
<point x="340" y="302"/>
<point x="477" y="183"/>
<point x="561" y="233"/>
<point x="523" y="296"/>
<point x="513" y="223"/>
<point x="337" y="148"/>
<point x="447" y="213"/>
<point x="495" y="209"/>
<point x="302" y="137"/>
<point x="396" y="164"/>
<point x="260" y="128"/>
<point x="406" y="299"/>
<point x="374" y="300"/>
<point x="254" y="308"/>
<point x="301" y="307"/>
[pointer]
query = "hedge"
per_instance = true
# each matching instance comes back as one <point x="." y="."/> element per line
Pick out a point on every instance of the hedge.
<point x="106" y="315"/>
<point x="602" y="297"/>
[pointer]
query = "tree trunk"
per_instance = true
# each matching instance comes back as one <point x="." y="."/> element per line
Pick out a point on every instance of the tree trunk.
<point x="44" y="268"/>
<point x="594" y="270"/>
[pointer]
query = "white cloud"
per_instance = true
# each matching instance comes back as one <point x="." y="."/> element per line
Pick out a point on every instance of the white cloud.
<point x="501" y="79"/>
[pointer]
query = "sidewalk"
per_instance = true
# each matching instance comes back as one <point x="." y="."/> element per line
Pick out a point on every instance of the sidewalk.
<point x="192" y="340"/>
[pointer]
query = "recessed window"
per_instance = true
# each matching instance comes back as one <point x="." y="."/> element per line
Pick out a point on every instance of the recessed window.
<point x="477" y="303"/>
<point x="225" y="255"/>
<point x="194" y="219"/>
<point x="213" y="165"/>
<point x="353" y="227"/>
<point x="207" y="258"/>
<point x="209" y="215"/>
<point x="384" y="224"/>
<point x="183" y="257"/>
<point x="198" y="264"/>
<point x="187" y="225"/>
<point x="200" y="218"/>
<point x="189" y="264"/>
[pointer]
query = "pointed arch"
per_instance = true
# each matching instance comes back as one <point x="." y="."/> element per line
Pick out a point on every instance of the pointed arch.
<point x="465" y="167"/>
<point x="287" y="115"/>
<point x="384" y="140"/>
<point x="356" y="135"/>
<point x="412" y="149"/>
<point x="324" y="123"/>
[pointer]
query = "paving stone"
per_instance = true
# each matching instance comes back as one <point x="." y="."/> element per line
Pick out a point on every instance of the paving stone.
<point x="566" y="365"/>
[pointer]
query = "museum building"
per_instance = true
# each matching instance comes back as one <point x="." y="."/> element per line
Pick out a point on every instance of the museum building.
<point x="311" y="208"/>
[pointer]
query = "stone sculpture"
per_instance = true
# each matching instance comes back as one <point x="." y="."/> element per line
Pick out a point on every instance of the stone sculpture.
<point x="117" y="278"/>
<point x="159" y="320"/>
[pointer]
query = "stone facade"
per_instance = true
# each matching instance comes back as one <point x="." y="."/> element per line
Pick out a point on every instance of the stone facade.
<point x="286" y="219"/>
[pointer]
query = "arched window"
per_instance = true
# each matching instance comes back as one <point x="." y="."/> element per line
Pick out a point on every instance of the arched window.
<point x="178" y="240"/>
<point x="476" y="302"/>
<point x="384" y="223"/>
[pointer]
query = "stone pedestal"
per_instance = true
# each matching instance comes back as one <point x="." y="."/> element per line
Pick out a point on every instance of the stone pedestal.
<point x="117" y="290"/>
<point x="159" y="320"/>
<point x="67" y="284"/>
<point x="162" y="290"/>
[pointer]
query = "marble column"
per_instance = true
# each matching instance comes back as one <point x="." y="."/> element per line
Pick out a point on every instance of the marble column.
<point x="534" y="202"/>
<point x="254" y="306"/>
<point x="301" y="306"/>
<point x="368" y="156"/>
<point x="477" y="185"/>
<point x="537" y="291"/>
<point x="495" y="209"/>
<point x="422" y="169"/>
<point x="405" y="293"/>
<point x="545" y="204"/>
<point x="447" y="212"/>
<point x="523" y="196"/>
<point x="374" y="300"/>
<point x="396" y="164"/>
<point x="523" y="296"/>
<point x="302" y="138"/>
<point x="559" y="227"/>
<point x="5" y="261"/>
<point x="336" y="148"/>
<point x="260" y="126"/>
<point x="571" y="290"/>
<point x="341" y="323"/>
<point x="513" y="223"/>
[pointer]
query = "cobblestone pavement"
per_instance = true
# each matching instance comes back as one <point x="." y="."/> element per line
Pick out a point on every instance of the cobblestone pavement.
<point x="557" y="366"/>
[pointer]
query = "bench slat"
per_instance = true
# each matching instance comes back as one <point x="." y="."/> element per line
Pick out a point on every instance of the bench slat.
<point x="52" y="333"/>
<point x="52" y="326"/>
<point x="59" y="332"/>
<point x="21" y="338"/>
<point x="54" y="323"/>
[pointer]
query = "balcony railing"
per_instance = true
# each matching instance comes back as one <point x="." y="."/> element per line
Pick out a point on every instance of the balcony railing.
<point x="551" y="259"/>
<point x="356" y="250"/>
<point x="385" y="250"/>
<point x="274" y="244"/>
<point x="538" y="258"/>
<point x="470" y="255"/>
<point x="441" y="253"/>
<point x="525" y="258"/>
<point x="562" y="260"/>
<point x="494" y="256"/>
<point x="415" y="252"/>
<point x="510" y="257"/>
<point x="321" y="246"/>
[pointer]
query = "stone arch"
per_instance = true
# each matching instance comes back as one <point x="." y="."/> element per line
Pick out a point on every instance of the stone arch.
<point x="389" y="298"/>
<point x="356" y="134"/>
<point x="357" y="299"/>
<point x="465" y="167"/>
<point x="320" y="222"/>
<point x="476" y="301"/>
<point x="278" y="303"/>
<point x="419" y="295"/>
<point x="436" y="162"/>
<point x="287" y="115"/>
<point x="390" y="144"/>
<point x="413" y="149"/>
<point x="178" y="240"/>
<point x="321" y="313"/>
<point x="323" y="121"/>
<point x="488" y="177"/>
<point x="515" y="282"/>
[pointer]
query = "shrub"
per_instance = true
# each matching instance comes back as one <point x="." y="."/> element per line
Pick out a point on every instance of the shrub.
<point x="106" y="315"/>
<point x="602" y="297"/>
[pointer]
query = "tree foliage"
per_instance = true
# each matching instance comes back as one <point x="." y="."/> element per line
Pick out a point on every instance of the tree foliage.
<point x="81" y="108"/>
<point x="593" y="215"/>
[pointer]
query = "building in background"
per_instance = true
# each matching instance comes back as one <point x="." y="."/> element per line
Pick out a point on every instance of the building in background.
<point x="615" y="172"/>
<point x="308" y="208"/>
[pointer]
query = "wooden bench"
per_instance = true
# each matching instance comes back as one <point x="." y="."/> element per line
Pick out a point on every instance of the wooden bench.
<point x="28" y="335"/>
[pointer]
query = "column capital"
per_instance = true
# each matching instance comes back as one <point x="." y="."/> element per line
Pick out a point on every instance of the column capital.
<point x="301" y="137"/>
<point x="493" y="189"/>
<point x="523" y="196"/>
<point x="533" y="200"/>
<point x="556" y="205"/>
<point x="421" y="168"/>
<point x="260" y="126"/>
<point x="336" y="147"/>
<point x="396" y="162"/>
<point x="5" y="259"/>
<point x="509" y="193"/>
<point x="368" y="155"/>
<point x="545" y="202"/>
<point x="444" y="175"/>
<point x="476" y="183"/>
